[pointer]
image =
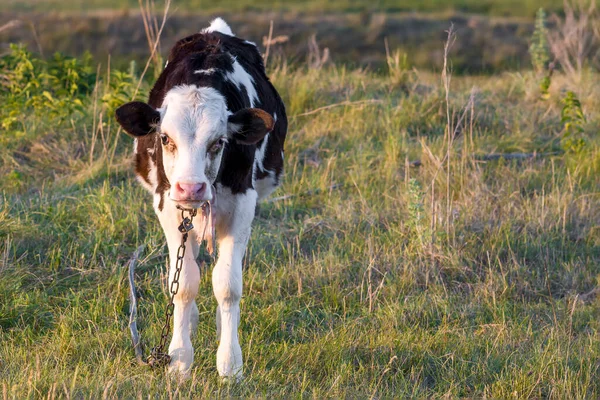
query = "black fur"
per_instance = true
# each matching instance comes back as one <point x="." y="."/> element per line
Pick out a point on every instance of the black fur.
<point x="251" y="125"/>
<point x="137" y="118"/>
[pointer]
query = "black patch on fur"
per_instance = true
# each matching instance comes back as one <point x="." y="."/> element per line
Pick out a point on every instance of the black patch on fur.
<point x="137" y="118"/>
<point x="252" y="124"/>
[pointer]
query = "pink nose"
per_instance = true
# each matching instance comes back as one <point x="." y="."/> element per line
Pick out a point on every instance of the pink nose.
<point x="188" y="191"/>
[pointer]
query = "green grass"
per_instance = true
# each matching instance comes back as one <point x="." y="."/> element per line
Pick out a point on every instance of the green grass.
<point x="489" y="7"/>
<point x="400" y="282"/>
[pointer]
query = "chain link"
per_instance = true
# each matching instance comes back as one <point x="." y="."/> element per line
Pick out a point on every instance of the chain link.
<point x="158" y="356"/>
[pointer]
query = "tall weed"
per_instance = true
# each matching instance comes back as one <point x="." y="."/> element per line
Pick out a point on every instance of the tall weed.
<point x="573" y="119"/>
<point x="539" y="49"/>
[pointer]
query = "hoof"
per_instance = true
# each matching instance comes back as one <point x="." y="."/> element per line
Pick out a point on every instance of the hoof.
<point x="179" y="370"/>
<point x="232" y="380"/>
<point x="229" y="361"/>
<point x="181" y="361"/>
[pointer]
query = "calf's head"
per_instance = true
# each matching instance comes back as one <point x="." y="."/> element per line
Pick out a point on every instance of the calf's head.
<point x="193" y="126"/>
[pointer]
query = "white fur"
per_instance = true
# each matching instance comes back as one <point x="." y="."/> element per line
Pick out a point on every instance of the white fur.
<point x="235" y="214"/>
<point x="219" y="25"/>
<point x="231" y="127"/>
<point x="259" y="156"/>
<point x="266" y="186"/>
<point x="193" y="118"/>
<point x="208" y="71"/>
<point x="240" y="78"/>
<point x="151" y="187"/>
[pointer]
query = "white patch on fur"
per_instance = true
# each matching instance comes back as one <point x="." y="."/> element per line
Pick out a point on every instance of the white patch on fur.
<point x="152" y="177"/>
<point x="266" y="186"/>
<point x="208" y="71"/>
<point x="234" y="220"/>
<point x="249" y="42"/>
<point x="219" y="25"/>
<point x="259" y="155"/>
<point x="240" y="78"/>
<point x="148" y="186"/>
<point x="231" y="127"/>
<point x="193" y="118"/>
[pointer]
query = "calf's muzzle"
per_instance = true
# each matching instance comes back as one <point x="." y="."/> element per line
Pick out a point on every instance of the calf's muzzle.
<point x="186" y="191"/>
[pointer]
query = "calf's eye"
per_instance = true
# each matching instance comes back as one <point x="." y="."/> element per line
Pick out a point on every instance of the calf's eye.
<point x="218" y="145"/>
<point x="164" y="139"/>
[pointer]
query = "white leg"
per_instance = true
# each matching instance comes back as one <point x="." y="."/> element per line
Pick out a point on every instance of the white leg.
<point x="186" y="311"/>
<point x="218" y="323"/>
<point x="194" y="317"/>
<point x="234" y="219"/>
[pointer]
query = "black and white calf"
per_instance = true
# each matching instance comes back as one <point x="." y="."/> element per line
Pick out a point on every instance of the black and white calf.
<point x="213" y="120"/>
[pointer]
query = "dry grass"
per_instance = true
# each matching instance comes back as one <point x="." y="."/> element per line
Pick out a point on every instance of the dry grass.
<point x="575" y="40"/>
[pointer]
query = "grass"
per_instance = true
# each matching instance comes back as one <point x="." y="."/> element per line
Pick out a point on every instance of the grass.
<point x="398" y="282"/>
<point x="489" y="7"/>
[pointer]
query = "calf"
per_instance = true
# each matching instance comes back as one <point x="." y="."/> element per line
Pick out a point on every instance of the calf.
<point x="213" y="130"/>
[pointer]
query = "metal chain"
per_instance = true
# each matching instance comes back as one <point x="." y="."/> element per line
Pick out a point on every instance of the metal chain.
<point x="158" y="356"/>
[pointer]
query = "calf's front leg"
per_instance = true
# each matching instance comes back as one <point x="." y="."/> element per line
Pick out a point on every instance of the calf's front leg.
<point x="185" y="311"/>
<point x="234" y="220"/>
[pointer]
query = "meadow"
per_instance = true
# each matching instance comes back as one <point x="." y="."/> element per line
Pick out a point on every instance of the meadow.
<point x="403" y="256"/>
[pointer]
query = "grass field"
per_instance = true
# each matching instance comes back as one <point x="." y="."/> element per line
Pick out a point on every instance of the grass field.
<point x="376" y="276"/>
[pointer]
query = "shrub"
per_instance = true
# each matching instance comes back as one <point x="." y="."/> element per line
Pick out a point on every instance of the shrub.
<point x="33" y="87"/>
<point x="121" y="88"/>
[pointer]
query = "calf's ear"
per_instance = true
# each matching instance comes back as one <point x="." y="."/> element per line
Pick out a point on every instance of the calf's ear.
<point x="137" y="118"/>
<point x="249" y="125"/>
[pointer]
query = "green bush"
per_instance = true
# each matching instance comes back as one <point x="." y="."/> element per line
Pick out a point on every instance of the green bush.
<point x="31" y="88"/>
<point x="121" y="88"/>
